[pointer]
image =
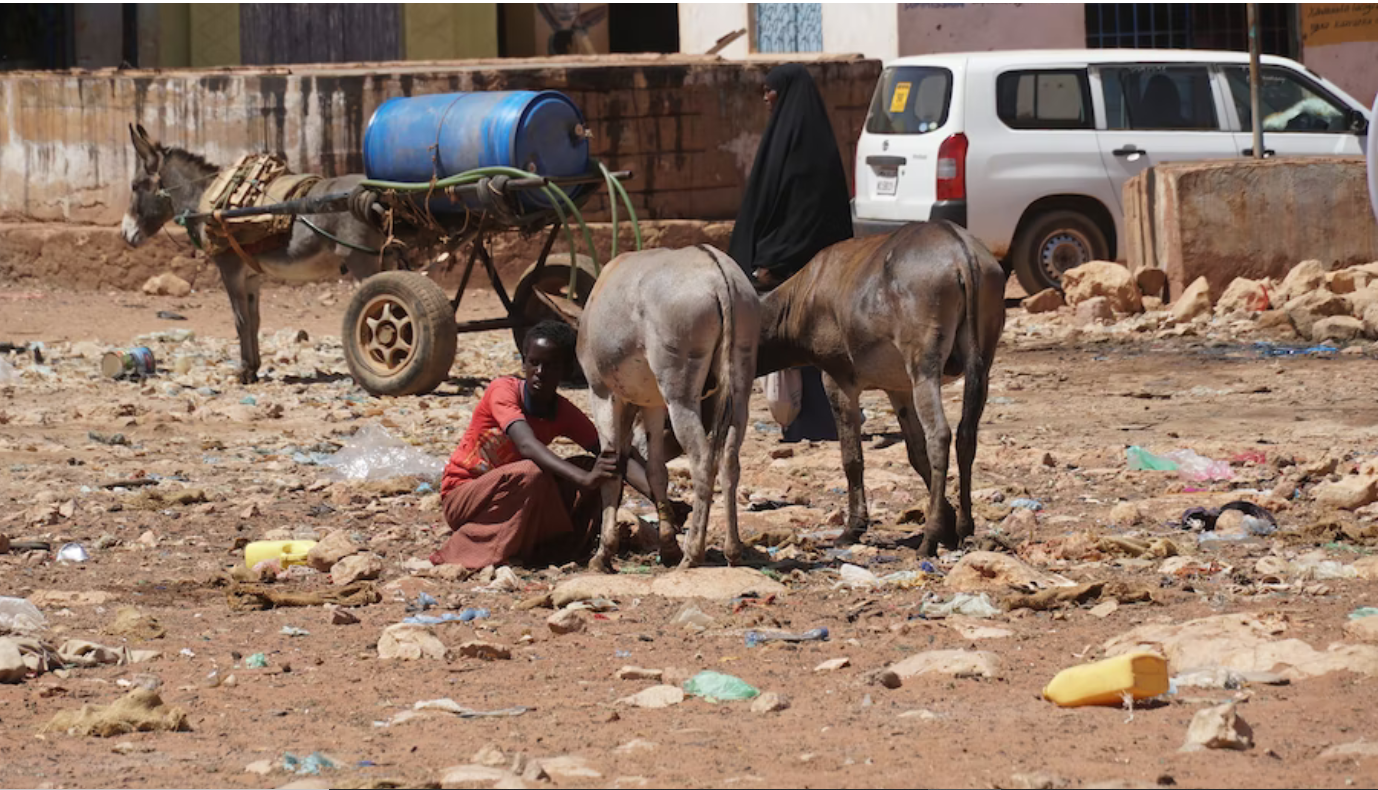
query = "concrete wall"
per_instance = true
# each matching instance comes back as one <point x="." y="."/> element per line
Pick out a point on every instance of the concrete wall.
<point x="1244" y="218"/>
<point x="869" y="29"/>
<point x="687" y="127"/>
<point x="702" y="24"/>
<point x="926" y="28"/>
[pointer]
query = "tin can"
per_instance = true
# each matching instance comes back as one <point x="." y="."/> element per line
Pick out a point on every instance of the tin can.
<point x="136" y="363"/>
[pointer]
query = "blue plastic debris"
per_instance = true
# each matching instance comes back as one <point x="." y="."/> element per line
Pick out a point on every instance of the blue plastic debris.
<point x="311" y="765"/>
<point x="756" y="638"/>
<point x="1028" y="504"/>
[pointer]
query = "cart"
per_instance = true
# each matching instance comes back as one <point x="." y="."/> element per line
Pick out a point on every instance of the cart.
<point x="400" y="331"/>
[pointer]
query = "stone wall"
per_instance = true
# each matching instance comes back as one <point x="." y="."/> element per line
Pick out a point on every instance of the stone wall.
<point x="687" y="126"/>
<point x="1245" y="218"/>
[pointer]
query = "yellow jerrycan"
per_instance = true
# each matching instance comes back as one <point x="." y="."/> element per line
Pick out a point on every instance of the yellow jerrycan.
<point x="1140" y="675"/>
<point x="291" y="552"/>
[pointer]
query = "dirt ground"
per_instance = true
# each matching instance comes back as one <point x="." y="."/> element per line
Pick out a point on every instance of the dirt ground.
<point x="1064" y="406"/>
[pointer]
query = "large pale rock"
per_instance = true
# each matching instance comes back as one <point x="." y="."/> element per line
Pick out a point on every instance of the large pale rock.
<point x="1095" y="310"/>
<point x="565" y="621"/>
<point x="717" y="584"/>
<point x="167" y="284"/>
<point x="1337" y="327"/>
<point x="1361" y="300"/>
<point x="331" y="549"/>
<point x="1045" y="301"/>
<point x="1218" y="728"/>
<point x="1305" y="310"/>
<point x="460" y="777"/>
<point x="1305" y="277"/>
<point x="769" y="702"/>
<point x="12" y="666"/>
<point x="1347" y="281"/>
<point x="957" y="663"/>
<point x="1365" y="629"/>
<point x="1371" y="322"/>
<point x="410" y="642"/>
<point x="1244" y="643"/>
<point x="1103" y="278"/>
<point x="617" y="587"/>
<point x="1244" y="296"/>
<point x="989" y="570"/>
<point x="654" y="697"/>
<point x="1350" y="751"/>
<point x="569" y="767"/>
<point x="1367" y="568"/>
<point x="356" y="567"/>
<point x="1348" y="493"/>
<point x="1194" y="301"/>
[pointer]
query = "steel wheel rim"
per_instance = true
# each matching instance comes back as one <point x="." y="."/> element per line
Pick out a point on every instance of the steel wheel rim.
<point x="1063" y="250"/>
<point x="386" y="335"/>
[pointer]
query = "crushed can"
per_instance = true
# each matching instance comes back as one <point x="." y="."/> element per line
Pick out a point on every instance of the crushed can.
<point x="136" y="363"/>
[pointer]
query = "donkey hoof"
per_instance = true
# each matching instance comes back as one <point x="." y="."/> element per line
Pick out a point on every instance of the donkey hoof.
<point x="689" y="562"/>
<point x="670" y="552"/>
<point x="601" y="563"/>
<point x="849" y="537"/>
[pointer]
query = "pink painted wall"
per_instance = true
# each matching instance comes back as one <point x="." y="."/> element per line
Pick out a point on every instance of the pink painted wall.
<point x="926" y="28"/>
<point x="1353" y="66"/>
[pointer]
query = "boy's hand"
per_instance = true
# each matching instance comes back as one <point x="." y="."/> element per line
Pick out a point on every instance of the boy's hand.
<point x="604" y="469"/>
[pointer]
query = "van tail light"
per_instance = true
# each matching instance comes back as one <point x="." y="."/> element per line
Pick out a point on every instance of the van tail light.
<point x="952" y="168"/>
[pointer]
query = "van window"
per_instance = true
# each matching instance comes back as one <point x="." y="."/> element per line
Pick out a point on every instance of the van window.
<point x="1059" y="99"/>
<point x="1289" y="102"/>
<point x="1159" y="98"/>
<point x="910" y="100"/>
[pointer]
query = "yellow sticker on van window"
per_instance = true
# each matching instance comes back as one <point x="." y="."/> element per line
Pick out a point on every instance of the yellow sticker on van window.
<point x="900" y="99"/>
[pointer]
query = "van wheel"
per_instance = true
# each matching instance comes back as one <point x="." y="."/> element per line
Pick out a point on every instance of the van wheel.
<point x="1051" y="244"/>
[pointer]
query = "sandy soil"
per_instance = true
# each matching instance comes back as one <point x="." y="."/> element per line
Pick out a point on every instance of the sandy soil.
<point x="1064" y="407"/>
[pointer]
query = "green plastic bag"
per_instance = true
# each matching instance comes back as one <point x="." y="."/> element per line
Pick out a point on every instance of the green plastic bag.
<point x="1141" y="459"/>
<point x="717" y="687"/>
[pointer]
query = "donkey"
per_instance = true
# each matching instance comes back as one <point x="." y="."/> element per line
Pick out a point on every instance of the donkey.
<point x="169" y="181"/>
<point x="904" y="313"/>
<point x="664" y="331"/>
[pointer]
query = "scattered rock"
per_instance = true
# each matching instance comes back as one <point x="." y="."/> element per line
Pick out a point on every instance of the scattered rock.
<point x="1243" y="296"/>
<point x="654" y="697"/>
<point x="1126" y="514"/>
<point x="12" y="666"/>
<point x="356" y="567"/>
<point x="1355" y="750"/>
<point x="340" y="616"/>
<point x="1096" y="310"/>
<point x="1195" y="301"/>
<point x="1337" y="327"/>
<point x="1034" y="781"/>
<point x="478" y="776"/>
<point x="565" y="621"/>
<point x="637" y="745"/>
<point x="569" y="767"/>
<point x="716" y="584"/>
<point x="1103" y="278"/>
<point x="1219" y="727"/>
<point x="956" y="663"/>
<point x="490" y="755"/>
<point x="1346" y="281"/>
<point x="167" y="284"/>
<point x="601" y="585"/>
<point x="988" y="570"/>
<point x="132" y="623"/>
<point x="259" y="767"/>
<point x="1348" y="493"/>
<point x="57" y="599"/>
<point x="1305" y="277"/>
<point x="488" y="651"/>
<point x="638" y="673"/>
<point x="410" y="642"/>
<point x="769" y="702"/>
<point x="1364" y="629"/>
<point x="330" y="550"/>
<point x="1366" y="568"/>
<point x="833" y="664"/>
<point x="1046" y="301"/>
<point x="1305" y="310"/>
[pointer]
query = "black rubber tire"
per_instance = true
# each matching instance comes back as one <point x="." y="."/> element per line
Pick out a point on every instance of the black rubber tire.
<point x="416" y="347"/>
<point x="1038" y="267"/>
<point x="554" y="279"/>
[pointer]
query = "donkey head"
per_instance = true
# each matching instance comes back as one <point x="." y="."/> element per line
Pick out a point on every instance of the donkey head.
<point x="150" y="206"/>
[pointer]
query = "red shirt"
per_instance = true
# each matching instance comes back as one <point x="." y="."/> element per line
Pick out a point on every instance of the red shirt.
<point x="486" y="445"/>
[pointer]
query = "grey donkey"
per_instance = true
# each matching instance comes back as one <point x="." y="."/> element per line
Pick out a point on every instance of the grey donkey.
<point x="903" y="313"/>
<point x="672" y="333"/>
<point x="169" y="181"/>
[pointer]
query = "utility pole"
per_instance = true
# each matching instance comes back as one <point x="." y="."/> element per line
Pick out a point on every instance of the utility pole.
<point x="1254" y="81"/>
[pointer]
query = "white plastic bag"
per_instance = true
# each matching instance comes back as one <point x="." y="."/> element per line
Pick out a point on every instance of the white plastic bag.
<point x="785" y="395"/>
<point x="374" y="454"/>
<point x="18" y="616"/>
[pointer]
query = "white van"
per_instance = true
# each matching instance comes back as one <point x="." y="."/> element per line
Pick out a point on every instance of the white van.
<point x="1030" y="150"/>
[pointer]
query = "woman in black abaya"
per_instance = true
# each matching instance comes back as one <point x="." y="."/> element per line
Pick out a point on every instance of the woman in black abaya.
<point x="796" y="204"/>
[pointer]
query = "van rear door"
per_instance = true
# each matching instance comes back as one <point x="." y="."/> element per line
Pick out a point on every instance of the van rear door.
<point x="914" y="109"/>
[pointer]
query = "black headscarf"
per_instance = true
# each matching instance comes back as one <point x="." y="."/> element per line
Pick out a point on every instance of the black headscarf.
<point x="796" y="200"/>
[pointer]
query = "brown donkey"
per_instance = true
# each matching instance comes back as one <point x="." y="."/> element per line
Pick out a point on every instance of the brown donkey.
<point x="904" y="313"/>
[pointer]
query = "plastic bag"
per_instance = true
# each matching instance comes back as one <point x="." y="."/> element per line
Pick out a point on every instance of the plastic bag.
<point x="373" y="454"/>
<point x="1186" y="463"/>
<point x="7" y="373"/>
<point x="20" y="617"/>
<point x="784" y="391"/>
<point x="978" y="606"/>
<point x="717" y="687"/>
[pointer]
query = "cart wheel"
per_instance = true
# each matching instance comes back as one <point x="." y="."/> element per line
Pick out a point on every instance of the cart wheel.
<point x="553" y="280"/>
<point x="399" y="334"/>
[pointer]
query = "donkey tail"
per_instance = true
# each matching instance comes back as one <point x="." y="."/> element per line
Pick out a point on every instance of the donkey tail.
<point x="976" y="372"/>
<point x="724" y="406"/>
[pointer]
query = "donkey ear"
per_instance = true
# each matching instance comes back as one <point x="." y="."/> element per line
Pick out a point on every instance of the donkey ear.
<point x="145" y="148"/>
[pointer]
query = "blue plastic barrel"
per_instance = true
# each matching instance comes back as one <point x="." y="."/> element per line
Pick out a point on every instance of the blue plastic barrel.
<point x="419" y="137"/>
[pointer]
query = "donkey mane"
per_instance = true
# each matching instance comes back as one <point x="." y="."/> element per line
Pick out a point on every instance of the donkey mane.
<point x="183" y="156"/>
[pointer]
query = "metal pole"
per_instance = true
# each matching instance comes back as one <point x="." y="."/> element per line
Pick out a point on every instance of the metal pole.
<point x="1253" y="81"/>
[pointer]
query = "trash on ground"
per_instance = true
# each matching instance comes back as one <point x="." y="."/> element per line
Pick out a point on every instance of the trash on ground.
<point x="256" y="661"/>
<point x="717" y="687"/>
<point x="286" y="552"/>
<point x="18" y="616"/>
<point x="252" y="596"/>
<point x="310" y="765"/>
<point x="1138" y="675"/>
<point x="73" y="552"/>
<point x="856" y="577"/>
<point x="424" y="708"/>
<point x="1186" y="463"/>
<point x="1257" y="520"/>
<point x="465" y="616"/>
<point x="1218" y="728"/>
<point x="756" y="638"/>
<point x="970" y="605"/>
<point x="374" y="454"/>
<point x="291" y="630"/>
